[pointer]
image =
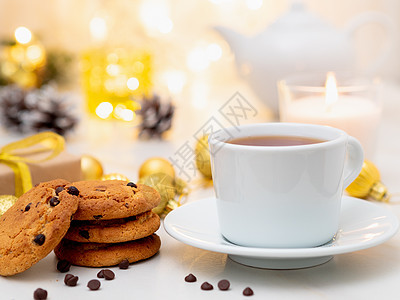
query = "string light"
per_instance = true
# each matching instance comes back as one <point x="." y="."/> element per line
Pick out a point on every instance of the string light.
<point x="200" y="93"/>
<point x="132" y="83"/>
<point x="23" y="35"/>
<point x="104" y="110"/>
<point x="197" y="60"/>
<point x="175" y="80"/>
<point x="154" y="14"/>
<point x="98" y="28"/>
<point x="214" y="52"/>
<point x="254" y="4"/>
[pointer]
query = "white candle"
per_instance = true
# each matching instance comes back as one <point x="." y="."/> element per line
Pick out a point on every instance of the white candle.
<point x="357" y="116"/>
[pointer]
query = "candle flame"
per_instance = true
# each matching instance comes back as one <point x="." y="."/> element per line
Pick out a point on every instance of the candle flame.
<point x="331" y="91"/>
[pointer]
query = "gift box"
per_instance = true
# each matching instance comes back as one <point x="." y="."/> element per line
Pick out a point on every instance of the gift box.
<point x="65" y="166"/>
<point x="36" y="159"/>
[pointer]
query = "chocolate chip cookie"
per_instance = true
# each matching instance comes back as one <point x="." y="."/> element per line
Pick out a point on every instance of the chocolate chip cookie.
<point x="35" y="224"/>
<point x="115" y="230"/>
<point x="113" y="199"/>
<point x="104" y="255"/>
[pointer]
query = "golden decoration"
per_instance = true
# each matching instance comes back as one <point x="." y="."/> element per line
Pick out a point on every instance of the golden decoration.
<point x="202" y="153"/>
<point x="156" y="165"/>
<point x="181" y="186"/>
<point x="164" y="184"/>
<point x="111" y="77"/>
<point x="115" y="176"/>
<point x="23" y="62"/>
<point x="6" y="201"/>
<point x="368" y="184"/>
<point x="91" y="168"/>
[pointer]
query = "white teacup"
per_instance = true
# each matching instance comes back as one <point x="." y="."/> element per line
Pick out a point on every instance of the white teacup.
<point x="282" y="196"/>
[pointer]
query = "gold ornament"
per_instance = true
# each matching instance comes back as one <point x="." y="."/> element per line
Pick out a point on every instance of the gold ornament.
<point x="368" y="185"/>
<point x="6" y="201"/>
<point x="91" y="168"/>
<point x="181" y="186"/>
<point x="202" y="153"/>
<point x="171" y="205"/>
<point x="115" y="176"/>
<point x="164" y="184"/>
<point x="156" y="165"/>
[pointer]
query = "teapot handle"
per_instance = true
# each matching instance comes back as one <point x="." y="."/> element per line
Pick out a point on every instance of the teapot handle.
<point x="387" y="24"/>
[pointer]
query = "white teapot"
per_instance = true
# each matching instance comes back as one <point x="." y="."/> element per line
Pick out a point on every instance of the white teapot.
<point x="298" y="42"/>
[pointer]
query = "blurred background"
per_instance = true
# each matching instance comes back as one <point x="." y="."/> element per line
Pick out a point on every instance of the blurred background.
<point x="120" y="52"/>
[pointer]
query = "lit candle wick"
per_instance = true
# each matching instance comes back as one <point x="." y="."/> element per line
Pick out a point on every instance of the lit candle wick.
<point x="331" y="92"/>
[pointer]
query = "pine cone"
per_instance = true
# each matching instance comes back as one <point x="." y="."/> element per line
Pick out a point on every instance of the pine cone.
<point x="156" y="117"/>
<point x="35" y="110"/>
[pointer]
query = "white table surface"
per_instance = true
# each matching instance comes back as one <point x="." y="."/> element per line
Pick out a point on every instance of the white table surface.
<point x="368" y="274"/>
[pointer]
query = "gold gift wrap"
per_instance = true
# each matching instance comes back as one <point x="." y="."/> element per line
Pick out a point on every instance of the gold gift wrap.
<point x="35" y="159"/>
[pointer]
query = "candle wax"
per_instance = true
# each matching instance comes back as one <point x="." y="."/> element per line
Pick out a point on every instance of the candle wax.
<point x="357" y="116"/>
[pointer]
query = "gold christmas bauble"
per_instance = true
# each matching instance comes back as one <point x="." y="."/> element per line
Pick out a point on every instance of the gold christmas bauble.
<point x="6" y="201"/>
<point x="114" y="176"/>
<point x="202" y="152"/>
<point x="156" y="165"/>
<point x="164" y="184"/>
<point x="91" y="168"/>
<point x="368" y="184"/>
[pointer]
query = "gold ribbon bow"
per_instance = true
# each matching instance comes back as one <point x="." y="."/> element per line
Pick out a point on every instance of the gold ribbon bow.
<point x="10" y="155"/>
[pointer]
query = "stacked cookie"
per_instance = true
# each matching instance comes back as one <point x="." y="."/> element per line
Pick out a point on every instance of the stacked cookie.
<point x="113" y="223"/>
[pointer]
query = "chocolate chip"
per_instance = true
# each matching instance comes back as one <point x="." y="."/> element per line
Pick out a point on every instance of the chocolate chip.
<point x="100" y="274"/>
<point x="126" y="204"/>
<point x="39" y="239"/>
<point x="97" y="217"/>
<point x="190" y="278"/>
<point x="28" y="207"/>
<point x="67" y="277"/>
<point x="73" y="190"/>
<point x="93" y="284"/>
<point x="131" y="184"/>
<point x="206" y="286"/>
<point x="54" y="201"/>
<point x="248" y="292"/>
<point x="84" y="234"/>
<point x="108" y="274"/>
<point x="71" y="280"/>
<point x="224" y="285"/>
<point x="59" y="190"/>
<point x="124" y="264"/>
<point x="40" y="294"/>
<point x="63" y="266"/>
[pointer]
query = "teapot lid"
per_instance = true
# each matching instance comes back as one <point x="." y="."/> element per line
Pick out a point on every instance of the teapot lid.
<point x="298" y="16"/>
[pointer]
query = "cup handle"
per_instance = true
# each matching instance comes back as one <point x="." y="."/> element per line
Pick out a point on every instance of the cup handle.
<point x="354" y="161"/>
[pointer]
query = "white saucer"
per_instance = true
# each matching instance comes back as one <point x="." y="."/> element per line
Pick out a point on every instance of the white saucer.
<point x="362" y="225"/>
